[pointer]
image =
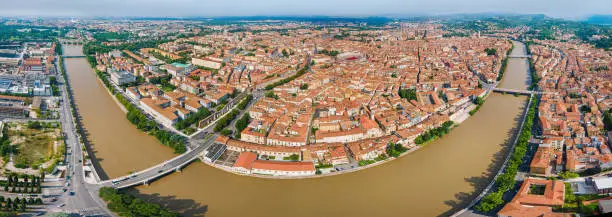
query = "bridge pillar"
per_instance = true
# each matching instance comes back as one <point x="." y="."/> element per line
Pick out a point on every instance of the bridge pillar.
<point x="145" y="183"/>
<point x="178" y="169"/>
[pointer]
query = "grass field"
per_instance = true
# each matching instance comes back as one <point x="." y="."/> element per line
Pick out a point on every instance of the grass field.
<point x="35" y="146"/>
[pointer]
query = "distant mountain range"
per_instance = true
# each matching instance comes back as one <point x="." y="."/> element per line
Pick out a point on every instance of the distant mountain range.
<point x="600" y="19"/>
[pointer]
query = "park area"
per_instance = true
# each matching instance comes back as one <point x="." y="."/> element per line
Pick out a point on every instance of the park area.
<point x="34" y="145"/>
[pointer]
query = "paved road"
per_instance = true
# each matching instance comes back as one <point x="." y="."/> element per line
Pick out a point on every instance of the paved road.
<point x="79" y="195"/>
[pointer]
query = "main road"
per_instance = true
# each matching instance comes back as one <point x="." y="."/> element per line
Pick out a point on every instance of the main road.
<point x="80" y="197"/>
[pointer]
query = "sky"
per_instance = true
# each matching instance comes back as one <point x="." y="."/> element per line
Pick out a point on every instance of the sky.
<point x="571" y="9"/>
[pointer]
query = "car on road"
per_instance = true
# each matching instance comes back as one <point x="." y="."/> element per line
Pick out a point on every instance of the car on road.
<point x="61" y="205"/>
<point x="160" y="171"/>
<point x="72" y="193"/>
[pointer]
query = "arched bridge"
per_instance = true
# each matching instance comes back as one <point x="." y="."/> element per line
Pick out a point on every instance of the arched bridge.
<point x="148" y="175"/>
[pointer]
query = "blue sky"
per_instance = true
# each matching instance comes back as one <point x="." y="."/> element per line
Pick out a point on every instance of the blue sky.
<point x="556" y="8"/>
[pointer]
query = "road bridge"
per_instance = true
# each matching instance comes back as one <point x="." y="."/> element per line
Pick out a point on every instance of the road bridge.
<point x="522" y="92"/>
<point x="146" y="176"/>
<point x="519" y="56"/>
<point x="493" y="87"/>
<point x="73" y="56"/>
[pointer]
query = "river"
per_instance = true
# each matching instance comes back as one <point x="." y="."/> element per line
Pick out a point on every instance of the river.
<point x="118" y="146"/>
<point x="438" y="179"/>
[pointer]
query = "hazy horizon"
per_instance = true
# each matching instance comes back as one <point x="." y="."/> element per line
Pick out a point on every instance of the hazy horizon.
<point x="203" y="8"/>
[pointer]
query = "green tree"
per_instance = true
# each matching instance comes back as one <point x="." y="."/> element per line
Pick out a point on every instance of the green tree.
<point x="304" y="86"/>
<point x="568" y="175"/>
<point x="490" y="51"/>
<point x="409" y="94"/>
<point x="226" y="132"/>
<point x="490" y="202"/>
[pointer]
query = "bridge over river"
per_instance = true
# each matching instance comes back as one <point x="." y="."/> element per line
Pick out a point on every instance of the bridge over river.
<point x="73" y="56"/>
<point x="520" y="56"/>
<point x="146" y="176"/>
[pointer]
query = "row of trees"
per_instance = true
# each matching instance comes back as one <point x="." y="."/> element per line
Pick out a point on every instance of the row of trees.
<point x="243" y="104"/>
<point x="434" y="133"/>
<point x="226" y="120"/>
<point x="242" y="124"/>
<point x="505" y="181"/>
<point x="135" y="116"/>
<point x="127" y="205"/>
<point x="30" y="184"/>
<point x="28" y="180"/>
<point x="174" y="141"/>
<point x="332" y="53"/>
<point x="193" y="118"/>
<point x="395" y="149"/>
<point x="504" y="63"/>
<point x="532" y="70"/>
<point x="17" y="204"/>
<point x="479" y="101"/>
<point x="287" y="80"/>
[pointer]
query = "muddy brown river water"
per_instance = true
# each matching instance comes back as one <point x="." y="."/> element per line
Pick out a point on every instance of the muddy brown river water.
<point x="438" y="179"/>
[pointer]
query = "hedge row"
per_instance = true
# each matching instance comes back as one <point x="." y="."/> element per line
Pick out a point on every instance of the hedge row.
<point x="505" y="181"/>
